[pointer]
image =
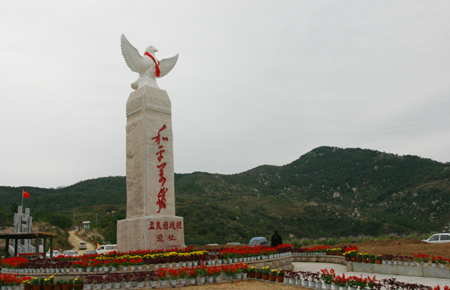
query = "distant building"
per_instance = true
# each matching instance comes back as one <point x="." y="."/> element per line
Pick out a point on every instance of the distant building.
<point x="86" y="225"/>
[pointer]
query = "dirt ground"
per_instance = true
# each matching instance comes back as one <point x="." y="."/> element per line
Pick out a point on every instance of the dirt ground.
<point x="401" y="247"/>
<point x="74" y="240"/>
<point x="246" y="285"/>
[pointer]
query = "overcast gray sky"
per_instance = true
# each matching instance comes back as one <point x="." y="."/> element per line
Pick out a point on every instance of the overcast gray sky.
<point x="257" y="82"/>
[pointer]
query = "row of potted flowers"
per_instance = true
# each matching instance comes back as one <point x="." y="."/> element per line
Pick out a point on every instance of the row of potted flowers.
<point x="327" y="279"/>
<point x="11" y="281"/>
<point x="418" y="259"/>
<point x="96" y="263"/>
<point x="40" y="283"/>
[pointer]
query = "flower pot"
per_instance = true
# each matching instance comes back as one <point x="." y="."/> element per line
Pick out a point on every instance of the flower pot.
<point x="127" y="285"/>
<point x="192" y="281"/>
<point x="117" y="285"/>
<point x="272" y="278"/>
<point x="108" y="285"/>
<point x="442" y="266"/>
<point x="140" y="267"/>
<point x="378" y="262"/>
<point x="88" y="286"/>
<point x="141" y="284"/>
<point x="173" y="282"/>
<point x="67" y="286"/>
<point x="78" y="286"/>
<point x="327" y="286"/>
<point x="47" y="287"/>
<point x="211" y="279"/>
<point x="347" y="259"/>
<point x="335" y="287"/>
<point x="312" y="284"/>
<point x="132" y="267"/>
<point x="372" y="261"/>
<point x="280" y="279"/>
<point x="353" y="259"/>
<point x="134" y="284"/>
<point x="99" y="286"/>
<point x="238" y="276"/>
<point x="217" y="278"/>
<point x="244" y="276"/>
<point x="265" y="276"/>
<point x="34" y="287"/>
<point x="163" y="283"/>
<point x="259" y="275"/>
<point x="182" y="281"/>
<point x="153" y="284"/>
<point x="202" y="280"/>
<point x="433" y="265"/>
<point x="359" y="260"/>
<point x="319" y="285"/>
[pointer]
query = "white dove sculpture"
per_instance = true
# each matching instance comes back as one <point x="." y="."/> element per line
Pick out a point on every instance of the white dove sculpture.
<point x="147" y="65"/>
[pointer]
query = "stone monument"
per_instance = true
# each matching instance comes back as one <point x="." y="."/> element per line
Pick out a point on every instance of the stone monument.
<point x="150" y="223"/>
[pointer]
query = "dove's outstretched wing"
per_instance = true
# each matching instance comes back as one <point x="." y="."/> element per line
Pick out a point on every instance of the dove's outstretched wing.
<point x="131" y="54"/>
<point x="167" y="65"/>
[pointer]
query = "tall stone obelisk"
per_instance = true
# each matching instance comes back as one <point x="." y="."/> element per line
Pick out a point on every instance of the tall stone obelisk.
<point x="151" y="223"/>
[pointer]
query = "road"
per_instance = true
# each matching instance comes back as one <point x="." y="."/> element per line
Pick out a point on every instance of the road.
<point x="74" y="240"/>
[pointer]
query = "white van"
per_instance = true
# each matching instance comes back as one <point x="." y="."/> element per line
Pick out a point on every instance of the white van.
<point x="82" y="246"/>
<point x="105" y="249"/>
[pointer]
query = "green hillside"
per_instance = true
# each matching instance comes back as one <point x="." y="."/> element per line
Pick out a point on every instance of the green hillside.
<point x="326" y="192"/>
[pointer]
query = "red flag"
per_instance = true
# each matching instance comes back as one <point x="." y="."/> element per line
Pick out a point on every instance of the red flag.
<point x="26" y="194"/>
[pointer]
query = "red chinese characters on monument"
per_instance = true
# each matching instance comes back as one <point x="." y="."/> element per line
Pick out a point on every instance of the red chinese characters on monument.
<point x="165" y="230"/>
<point x="162" y="180"/>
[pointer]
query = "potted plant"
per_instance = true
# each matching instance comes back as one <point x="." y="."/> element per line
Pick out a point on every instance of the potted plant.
<point x="26" y="284"/>
<point x="252" y="272"/>
<point x="162" y="275"/>
<point x="372" y="259"/>
<point x="140" y="279"/>
<point x="173" y="275"/>
<point x="65" y="285"/>
<point x="353" y="255"/>
<point x="98" y="282"/>
<point x="327" y="277"/>
<point x="280" y="276"/>
<point x="48" y="282"/>
<point x="265" y="272"/>
<point x="378" y="259"/>
<point x="192" y="275"/>
<point x="273" y="275"/>
<point x="359" y="257"/>
<point x="77" y="284"/>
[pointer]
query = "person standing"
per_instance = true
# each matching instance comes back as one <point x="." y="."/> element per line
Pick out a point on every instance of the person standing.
<point x="276" y="239"/>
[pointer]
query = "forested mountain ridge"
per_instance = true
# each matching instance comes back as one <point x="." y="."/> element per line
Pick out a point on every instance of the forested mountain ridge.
<point x="328" y="191"/>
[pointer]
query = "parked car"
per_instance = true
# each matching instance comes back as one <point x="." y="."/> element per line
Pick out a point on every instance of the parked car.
<point x="439" y="238"/>
<point x="90" y="252"/>
<point x="258" y="241"/>
<point x="105" y="249"/>
<point x="82" y="246"/>
<point x="55" y="253"/>
<point x="234" y="243"/>
<point x="70" y="253"/>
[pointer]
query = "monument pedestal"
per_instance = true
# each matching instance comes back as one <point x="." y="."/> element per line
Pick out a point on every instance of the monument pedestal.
<point x="151" y="223"/>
